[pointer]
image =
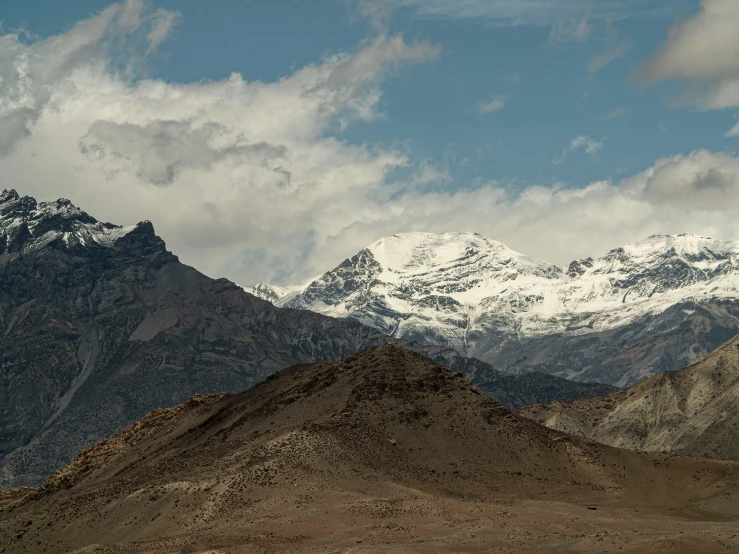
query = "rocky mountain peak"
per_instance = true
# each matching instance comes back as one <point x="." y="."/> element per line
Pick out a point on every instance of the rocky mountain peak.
<point x="686" y="245"/>
<point x="27" y="226"/>
<point x="427" y="252"/>
<point x="664" y="263"/>
<point x="270" y="293"/>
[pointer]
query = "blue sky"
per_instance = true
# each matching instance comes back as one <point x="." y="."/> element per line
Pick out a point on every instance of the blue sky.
<point x="509" y="97"/>
<point x="550" y="95"/>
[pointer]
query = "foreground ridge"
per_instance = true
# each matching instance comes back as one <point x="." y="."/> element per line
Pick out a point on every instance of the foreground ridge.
<point x="385" y="447"/>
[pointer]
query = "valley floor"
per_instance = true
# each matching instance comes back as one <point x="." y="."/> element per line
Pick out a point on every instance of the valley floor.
<point x="390" y="518"/>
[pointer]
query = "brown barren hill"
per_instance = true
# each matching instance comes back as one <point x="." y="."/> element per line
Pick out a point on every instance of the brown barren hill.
<point x="385" y="450"/>
<point x="691" y="412"/>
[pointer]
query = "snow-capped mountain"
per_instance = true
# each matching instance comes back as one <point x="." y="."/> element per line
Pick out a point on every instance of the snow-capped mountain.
<point x="485" y="300"/>
<point x="271" y="293"/>
<point x="27" y="226"/>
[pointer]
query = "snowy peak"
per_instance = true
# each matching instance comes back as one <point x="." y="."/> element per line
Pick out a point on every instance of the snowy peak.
<point x="27" y="225"/>
<point x="660" y="264"/>
<point x="270" y="293"/>
<point x="408" y="280"/>
<point x="700" y="253"/>
<point x="428" y="253"/>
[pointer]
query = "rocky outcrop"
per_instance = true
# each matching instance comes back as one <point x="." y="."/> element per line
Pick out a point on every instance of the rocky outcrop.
<point x="692" y="412"/>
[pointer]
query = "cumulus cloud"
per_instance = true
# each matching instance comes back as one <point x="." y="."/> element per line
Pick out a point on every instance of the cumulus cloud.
<point x="491" y="105"/>
<point x="230" y="171"/>
<point x="157" y="152"/>
<point x="702" y="47"/>
<point x="31" y="74"/>
<point x="701" y="179"/>
<point x="702" y="52"/>
<point x="245" y="180"/>
<point x="584" y="143"/>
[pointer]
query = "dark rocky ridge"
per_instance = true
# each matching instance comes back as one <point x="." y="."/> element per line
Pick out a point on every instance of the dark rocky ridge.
<point x="100" y="325"/>
<point x="655" y="343"/>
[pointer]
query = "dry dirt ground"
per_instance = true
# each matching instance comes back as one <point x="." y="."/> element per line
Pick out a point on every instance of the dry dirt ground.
<point x="383" y="452"/>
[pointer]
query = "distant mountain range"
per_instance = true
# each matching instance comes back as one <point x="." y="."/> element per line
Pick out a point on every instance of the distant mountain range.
<point x="647" y="307"/>
<point x="100" y="324"/>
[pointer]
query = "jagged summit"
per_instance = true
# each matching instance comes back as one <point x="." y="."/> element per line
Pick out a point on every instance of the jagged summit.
<point x="702" y="253"/>
<point x="27" y="225"/>
<point x="271" y="293"/>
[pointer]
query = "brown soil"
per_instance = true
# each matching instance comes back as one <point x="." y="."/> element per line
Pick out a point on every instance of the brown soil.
<point x="385" y="451"/>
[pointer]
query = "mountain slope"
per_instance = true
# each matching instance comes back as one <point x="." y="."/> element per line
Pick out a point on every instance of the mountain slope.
<point x="384" y="450"/>
<point x="693" y="412"/>
<point x="101" y="324"/>
<point x="650" y="306"/>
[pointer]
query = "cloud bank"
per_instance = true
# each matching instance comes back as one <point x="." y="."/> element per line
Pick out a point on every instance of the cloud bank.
<point x="246" y="180"/>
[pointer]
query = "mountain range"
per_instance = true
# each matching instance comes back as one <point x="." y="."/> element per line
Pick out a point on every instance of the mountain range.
<point x="651" y="306"/>
<point x="383" y="451"/>
<point x="690" y="412"/>
<point x="101" y="324"/>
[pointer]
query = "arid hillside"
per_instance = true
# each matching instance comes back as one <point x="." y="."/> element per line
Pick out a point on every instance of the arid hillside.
<point x="692" y="412"/>
<point x="384" y="450"/>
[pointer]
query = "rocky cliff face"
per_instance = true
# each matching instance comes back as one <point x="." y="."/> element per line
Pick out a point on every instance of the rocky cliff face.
<point x="691" y="412"/>
<point x="100" y="324"/>
<point x="651" y="306"/>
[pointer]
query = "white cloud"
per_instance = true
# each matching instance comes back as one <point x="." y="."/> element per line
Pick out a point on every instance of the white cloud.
<point x="242" y="179"/>
<point x="573" y="30"/>
<point x="584" y="143"/>
<point x="572" y="17"/>
<point x="599" y="61"/>
<point x="491" y="106"/>
<point x="31" y="75"/>
<point x="556" y="223"/>
<point x="701" y="179"/>
<point x="162" y="23"/>
<point x="618" y="112"/>
<point x="702" y="52"/>
<point x="702" y="47"/>
<point x="228" y="170"/>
